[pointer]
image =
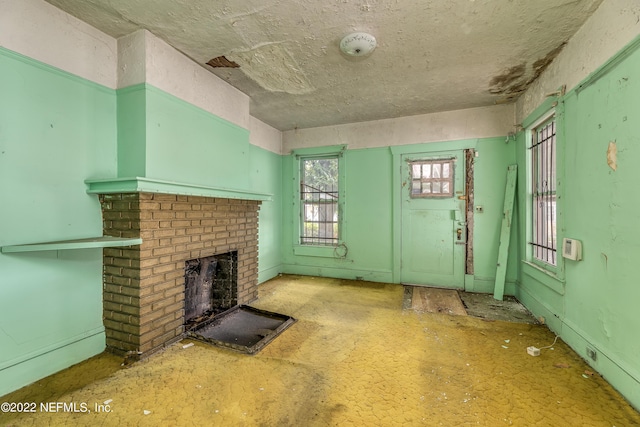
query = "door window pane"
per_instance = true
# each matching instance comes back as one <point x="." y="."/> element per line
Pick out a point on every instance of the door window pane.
<point x="431" y="178"/>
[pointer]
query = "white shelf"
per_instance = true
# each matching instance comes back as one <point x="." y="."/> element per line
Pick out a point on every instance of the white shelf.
<point x="93" y="242"/>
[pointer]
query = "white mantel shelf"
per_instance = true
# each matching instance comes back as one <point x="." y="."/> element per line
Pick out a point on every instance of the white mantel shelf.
<point x="149" y="185"/>
<point x="92" y="242"/>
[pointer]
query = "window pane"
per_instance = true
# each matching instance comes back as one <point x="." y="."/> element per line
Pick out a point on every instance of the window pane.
<point x="319" y="201"/>
<point x="445" y="170"/>
<point x="436" y="170"/>
<point x="435" y="180"/>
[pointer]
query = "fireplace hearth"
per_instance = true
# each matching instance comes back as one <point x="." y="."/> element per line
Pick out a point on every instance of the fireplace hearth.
<point x="242" y="328"/>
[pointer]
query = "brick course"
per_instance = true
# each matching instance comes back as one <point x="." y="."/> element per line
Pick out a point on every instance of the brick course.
<point x="144" y="285"/>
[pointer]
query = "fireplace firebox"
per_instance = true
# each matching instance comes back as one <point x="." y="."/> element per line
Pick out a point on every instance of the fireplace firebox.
<point x="211" y="286"/>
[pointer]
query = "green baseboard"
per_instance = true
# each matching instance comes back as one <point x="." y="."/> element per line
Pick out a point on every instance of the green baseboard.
<point x="268" y="273"/>
<point x="382" y="276"/>
<point x="486" y="285"/>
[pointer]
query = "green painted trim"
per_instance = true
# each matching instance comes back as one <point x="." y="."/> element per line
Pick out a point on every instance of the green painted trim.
<point x="92" y="242"/>
<point x="371" y="275"/>
<point x="561" y="207"/>
<point x="543" y="276"/>
<point x="319" y="251"/>
<point x="469" y="282"/>
<point x="330" y="150"/>
<point x="505" y="232"/>
<point x="551" y="107"/>
<point x="53" y="347"/>
<point x="54" y="70"/>
<point x="268" y="274"/>
<point x="539" y="309"/>
<point x="396" y="213"/>
<point x="486" y="285"/>
<point x="609" y="65"/>
<point x="148" y="185"/>
<point x="548" y="105"/>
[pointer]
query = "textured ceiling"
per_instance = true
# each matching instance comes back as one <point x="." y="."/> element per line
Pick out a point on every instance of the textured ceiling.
<point x="432" y="55"/>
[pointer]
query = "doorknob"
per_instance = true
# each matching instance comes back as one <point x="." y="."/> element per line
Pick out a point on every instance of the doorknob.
<point x="459" y="233"/>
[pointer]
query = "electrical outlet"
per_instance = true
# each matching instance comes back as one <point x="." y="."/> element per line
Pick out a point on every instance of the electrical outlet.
<point x="533" y="351"/>
<point x="592" y="354"/>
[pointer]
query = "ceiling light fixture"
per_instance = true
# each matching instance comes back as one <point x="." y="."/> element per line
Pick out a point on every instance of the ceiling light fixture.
<point x="358" y="44"/>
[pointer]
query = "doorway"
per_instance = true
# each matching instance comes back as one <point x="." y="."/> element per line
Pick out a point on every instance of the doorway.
<point x="433" y="224"/>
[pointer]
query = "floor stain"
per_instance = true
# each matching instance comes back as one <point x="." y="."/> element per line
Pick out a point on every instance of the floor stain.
<point x="354" y="358"/>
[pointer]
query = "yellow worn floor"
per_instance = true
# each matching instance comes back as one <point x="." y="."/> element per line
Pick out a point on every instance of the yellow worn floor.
<point x="354" y="358"/>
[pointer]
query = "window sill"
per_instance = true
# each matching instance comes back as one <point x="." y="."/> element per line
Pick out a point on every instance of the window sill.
<point x="318" y="251"/>
<point x="547" y="278"/>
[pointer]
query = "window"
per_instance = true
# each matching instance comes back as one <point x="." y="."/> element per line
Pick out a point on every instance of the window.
<point x="543" y="191"/>
<point x="319" y="201"/>
<point x="431" y="178"/>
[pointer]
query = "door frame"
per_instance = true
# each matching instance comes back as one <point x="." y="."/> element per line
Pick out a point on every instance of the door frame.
<point x="398" y="152"/>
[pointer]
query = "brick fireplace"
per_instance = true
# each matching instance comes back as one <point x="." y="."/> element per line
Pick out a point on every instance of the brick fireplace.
<point x="144" y="286"/>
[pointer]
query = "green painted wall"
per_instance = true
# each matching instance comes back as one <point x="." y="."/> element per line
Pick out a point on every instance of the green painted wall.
<point x="265" y="176"/>
<point x="188" y="144"/>
<point x="367" y="220"/>
<point x="163" y="137"/>
<point x="132" y="132"/>
<point x="56" y="130"/>
<point x="369" y="214"/>
<point x="490" y="179"/>
<point x="596" y="304"/>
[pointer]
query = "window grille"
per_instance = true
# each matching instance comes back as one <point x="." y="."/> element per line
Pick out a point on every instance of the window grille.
<point x="319" y="198"/>
<point x="543" y="192"/>
<point x="431" y="178"/>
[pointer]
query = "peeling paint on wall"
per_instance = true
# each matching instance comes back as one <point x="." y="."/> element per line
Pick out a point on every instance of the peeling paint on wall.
<point x="612" y="155"/>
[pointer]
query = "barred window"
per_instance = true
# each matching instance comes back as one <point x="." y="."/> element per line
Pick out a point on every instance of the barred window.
<point x="319" y="197"/>
<point x="543" y="192"/>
